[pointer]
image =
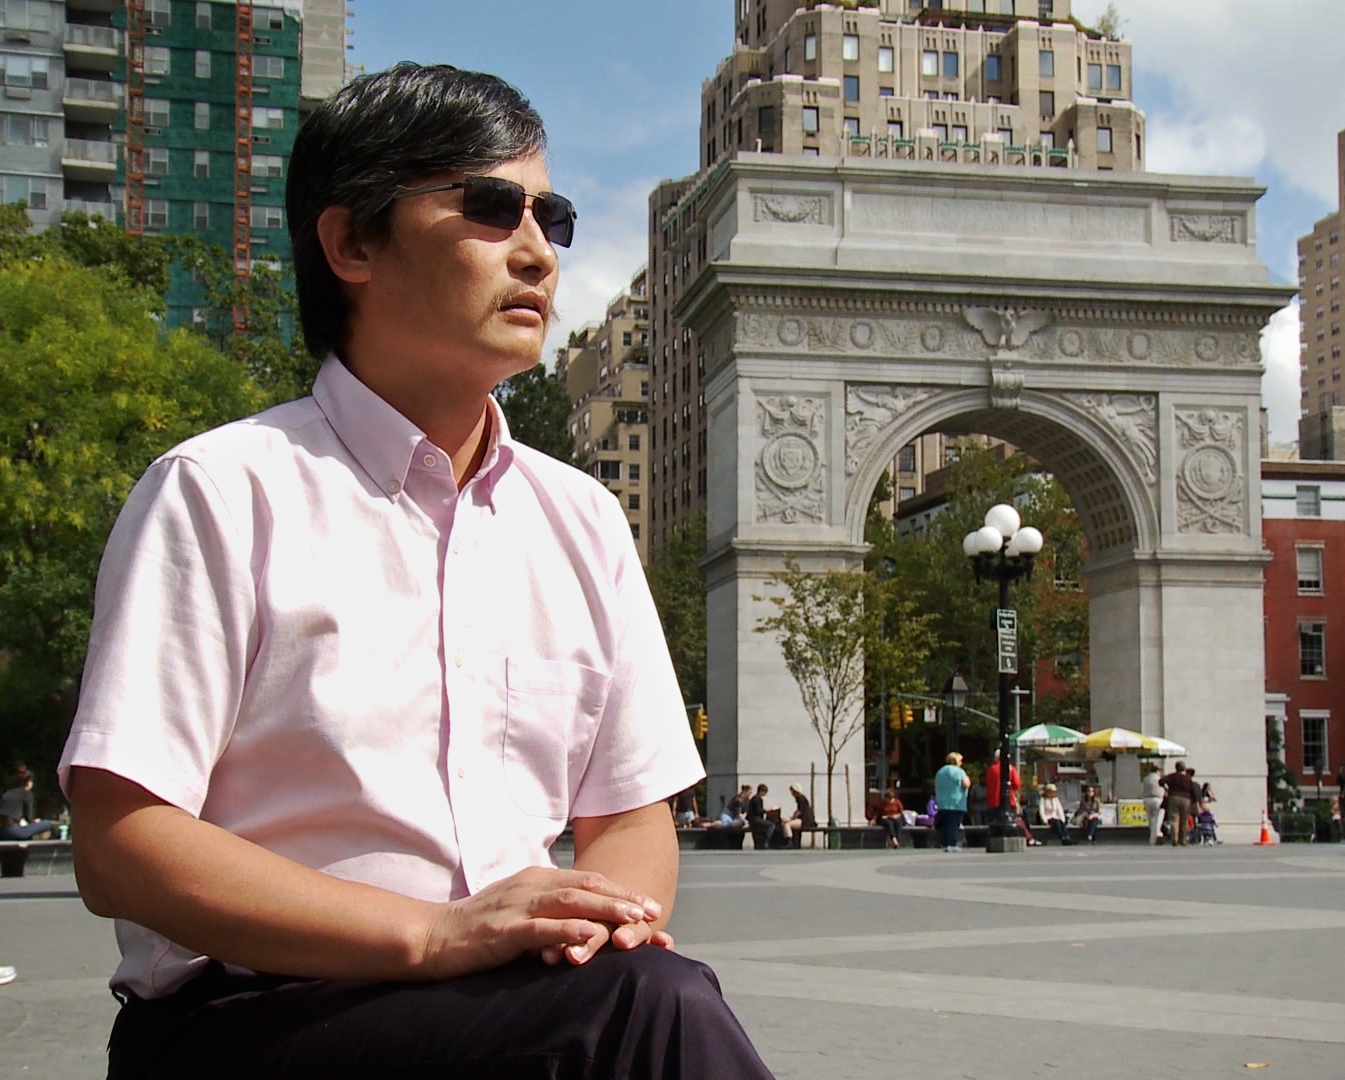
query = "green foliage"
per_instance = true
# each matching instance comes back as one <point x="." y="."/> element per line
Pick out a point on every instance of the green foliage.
<point x="678" y="588"/>
<point x="537" y="408"/>
<point x="1053" y="619"/>
<point x="93" y="392"/>
<point x="1281" y="781"/>
<point x="835" y="626"/>
<point x="1109" y="23"/>
<point x="269" y="349"/>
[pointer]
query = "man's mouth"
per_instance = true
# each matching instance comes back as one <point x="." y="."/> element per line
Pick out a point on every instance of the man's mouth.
<point x="535" y="302"/>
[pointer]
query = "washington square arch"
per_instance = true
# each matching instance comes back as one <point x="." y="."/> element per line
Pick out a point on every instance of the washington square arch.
<point x="1107" y="324"/>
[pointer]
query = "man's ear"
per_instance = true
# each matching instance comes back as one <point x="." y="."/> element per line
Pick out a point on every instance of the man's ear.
<point x="347" y="254"/>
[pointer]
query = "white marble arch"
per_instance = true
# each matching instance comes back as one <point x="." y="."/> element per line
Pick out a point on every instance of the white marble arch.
<point x="1105" y="323"/>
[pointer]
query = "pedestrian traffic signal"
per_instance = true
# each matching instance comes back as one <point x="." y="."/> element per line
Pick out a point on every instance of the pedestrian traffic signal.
<point x="702" y="723"/>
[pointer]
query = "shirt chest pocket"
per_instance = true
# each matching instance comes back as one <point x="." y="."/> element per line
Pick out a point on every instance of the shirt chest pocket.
<point x="552" y="718"/>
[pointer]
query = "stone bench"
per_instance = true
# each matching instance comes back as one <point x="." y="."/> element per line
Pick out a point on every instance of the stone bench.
<point x="14" y="856"/>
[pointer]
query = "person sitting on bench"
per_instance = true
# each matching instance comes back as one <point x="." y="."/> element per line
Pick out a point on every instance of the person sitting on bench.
<point x="18" y="820"/>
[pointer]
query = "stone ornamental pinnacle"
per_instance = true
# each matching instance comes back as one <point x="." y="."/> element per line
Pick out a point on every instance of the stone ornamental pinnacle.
<point x="1012" y="84"/>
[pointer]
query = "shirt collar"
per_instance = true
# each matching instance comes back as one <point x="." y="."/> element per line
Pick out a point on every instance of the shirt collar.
<point x="382" y="440"/>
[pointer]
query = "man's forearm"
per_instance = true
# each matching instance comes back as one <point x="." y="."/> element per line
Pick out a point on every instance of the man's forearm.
<point x="637" y="849"/>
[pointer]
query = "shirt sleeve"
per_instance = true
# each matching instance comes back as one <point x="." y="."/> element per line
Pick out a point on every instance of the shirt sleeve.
<point x="644" y="750"/>
<point x="172" y="632"/>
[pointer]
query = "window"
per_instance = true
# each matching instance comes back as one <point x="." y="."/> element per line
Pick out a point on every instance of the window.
<point x="886" y="91"/>
<point x="267" y="118"/>
<point x="941" y="130"/>
<point x="1114" y="78"/>
<point x="810" y="119"/>
<point x="272" y="20"/>
<point x="852" y="88"/>
<point x="811" y="151"/>
<point x="26" y="189"/>
<point x="25" y="71"/>
<point x="1047" y="104"/>
<point x="1094" y="76"/>
<point x="1309" y="561"/>
<point x="200" y="164"/>
<point x="267" y="217"/>
<point x="766" y="121"/>
<point x="1048" y="139"/>
<point x="20" y="129"/>
<point x="852" y="126"/>
<point x="156" y="161"/>
<point x="609" y="470"/>
<point x="633" y="472"/>
<point x="896" y="129"/>
<point x="905" y="493"/>
<point x="929" y="62"/>
<point x="159" y="12"/>
<point x="633" y="502"/>
<point x="203" y="63"/>
<point x="993" y="72"/>
<point x="1006" y="134"/>
<point x="25" y="15"/>
<point x="156" y="112"/>
<point x="850" y="47"/>
<point x="200" y="216"/>
<point x="1046" y="63"/>
<point x="268" y="166"/>
<point x="1045" y="10"/>
<point x="268" y="67"/>
<point x="201" y="116"/>
<point x="810" y="46"/>
<point x="156" y="213"/>
<point x="906" y="459"/>
<point x="1312" y="650"/>
<point x="635" y="530"/>
<point x="1104" y="140"/>
<point x="203" y="16"/>
<point x="632" y="442"/>
<point x="950" y="65"/>
<point x="886" y="58"/>
<point x="1308" y="500"/>
<point x="1314" y="743"/>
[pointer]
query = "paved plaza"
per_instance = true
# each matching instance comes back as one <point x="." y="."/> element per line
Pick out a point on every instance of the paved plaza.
<point x="1099" y="963"/>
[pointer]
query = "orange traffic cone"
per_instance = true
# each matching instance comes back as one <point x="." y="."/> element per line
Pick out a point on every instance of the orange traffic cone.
<point x="1267" y="834"/>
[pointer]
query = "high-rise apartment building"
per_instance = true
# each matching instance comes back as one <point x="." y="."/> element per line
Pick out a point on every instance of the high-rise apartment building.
<point x="63" y="132"/>
<point x="606" y="374"/>
<point x="1002" y="83"/>
<point x="1321" y="425"/>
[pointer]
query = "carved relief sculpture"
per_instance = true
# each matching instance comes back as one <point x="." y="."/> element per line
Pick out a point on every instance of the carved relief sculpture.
<point x="790" y="209"/>
<point x="870" y="411"/>
<point x="1210" y="480"/>
<point x="1134" y="420"/>
<point x="1006" y="386"/>
<point x="790" y="470"/>
<point x="1005" y="328"/>
<point x="1207" y="228"/>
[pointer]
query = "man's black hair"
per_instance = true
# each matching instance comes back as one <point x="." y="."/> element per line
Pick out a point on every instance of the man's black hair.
<point x="381" y="133"/>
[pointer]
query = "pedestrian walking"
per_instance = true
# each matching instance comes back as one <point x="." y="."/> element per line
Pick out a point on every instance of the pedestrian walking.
<point x="1152" y="791"/>
<point x="950" y="795"/>
<point x="1181" y="795"/>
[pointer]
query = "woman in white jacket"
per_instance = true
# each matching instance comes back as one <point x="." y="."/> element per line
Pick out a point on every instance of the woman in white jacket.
<point x="1052" y="814"/>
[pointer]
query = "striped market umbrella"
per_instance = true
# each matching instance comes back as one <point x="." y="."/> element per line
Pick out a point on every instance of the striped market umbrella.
<point x="1114" y="738"/>
<point x="1047" y="735"/>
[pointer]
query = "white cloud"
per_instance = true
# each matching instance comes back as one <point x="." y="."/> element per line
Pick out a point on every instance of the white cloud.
<point x="1250" y="86"/>
<point x="1279" y="384"/>
<point x="611" y="241"/>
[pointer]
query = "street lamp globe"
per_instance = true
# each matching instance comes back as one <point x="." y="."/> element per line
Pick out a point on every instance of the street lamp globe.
<point x="1003" y="518"/>
<point x="988" y="540"/>
<point x="1026" y="541"/>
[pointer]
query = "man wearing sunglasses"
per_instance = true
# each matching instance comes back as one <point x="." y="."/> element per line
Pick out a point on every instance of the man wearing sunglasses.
<point x="356" y="661"/>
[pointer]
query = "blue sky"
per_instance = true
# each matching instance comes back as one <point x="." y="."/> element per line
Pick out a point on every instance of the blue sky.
<point x="1226" y="90"/>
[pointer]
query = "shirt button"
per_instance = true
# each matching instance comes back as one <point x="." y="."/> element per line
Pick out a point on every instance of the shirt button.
<point x="461" y="772"/>
<point x="456" y="549"/>
<point x="430" y="461"/>
<point x="458" y="659"/>
<point x="394" y="486"/>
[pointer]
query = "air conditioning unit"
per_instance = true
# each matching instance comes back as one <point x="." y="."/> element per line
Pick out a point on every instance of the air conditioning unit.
<point x="153" y="131"/>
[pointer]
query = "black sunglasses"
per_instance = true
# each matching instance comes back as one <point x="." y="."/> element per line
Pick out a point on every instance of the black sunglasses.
<point x="499" y="203"/>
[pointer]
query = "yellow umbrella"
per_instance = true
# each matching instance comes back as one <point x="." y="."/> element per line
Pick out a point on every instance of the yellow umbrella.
<point x="1114" y="738"/>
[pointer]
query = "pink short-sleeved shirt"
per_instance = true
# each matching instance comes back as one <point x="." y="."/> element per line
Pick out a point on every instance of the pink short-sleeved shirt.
<point x="306" y="634"/>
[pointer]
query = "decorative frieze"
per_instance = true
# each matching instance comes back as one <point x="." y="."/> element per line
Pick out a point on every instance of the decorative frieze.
<point x="792" y="209"/>
<point x="1211" y="482"/>
<point x="1208" y="228"/>
<point x="1006" y="328"/>
<point x="870" y="411"/>
<point x="1133" y="418"/>
<point x="790" y="463"/>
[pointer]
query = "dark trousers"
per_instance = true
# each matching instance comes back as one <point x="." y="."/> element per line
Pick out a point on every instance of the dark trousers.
<point x="949" y="823"/>
<point x="648" y="1013"/>
<point x="1060" y="830"/>
<point x="1179" y="808"/>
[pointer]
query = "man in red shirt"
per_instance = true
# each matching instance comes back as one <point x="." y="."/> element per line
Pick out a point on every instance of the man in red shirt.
<point x="992" y="784"/>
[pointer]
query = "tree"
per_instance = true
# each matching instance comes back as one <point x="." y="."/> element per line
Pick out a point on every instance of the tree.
<point x="94" y="390"/>
<point x="537" y="408"/>
<point x="832" y="628"/>
<point x="678" y="587"/>
<point x="1109" y="23"/>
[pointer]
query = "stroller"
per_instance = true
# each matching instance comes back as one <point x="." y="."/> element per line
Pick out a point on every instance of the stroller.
<point x="1207" y="830"/>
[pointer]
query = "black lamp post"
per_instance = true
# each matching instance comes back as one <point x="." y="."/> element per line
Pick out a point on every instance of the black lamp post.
<point x="1003" y="551"/>
<point x="954" y="697"/>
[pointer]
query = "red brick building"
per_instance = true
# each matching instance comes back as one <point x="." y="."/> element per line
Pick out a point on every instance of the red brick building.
<point x="1303" y="525"/>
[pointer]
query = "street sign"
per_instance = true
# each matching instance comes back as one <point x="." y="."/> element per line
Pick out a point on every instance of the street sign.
<point x="1006" y="632"/>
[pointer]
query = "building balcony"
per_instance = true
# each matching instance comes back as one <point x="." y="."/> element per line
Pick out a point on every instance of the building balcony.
<point x="101" y="6"/>
<point x="93" y="209"/>
<point x="91" y="101"/>
<point x="92" y="48"/>
<point x="89" y="159"/>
